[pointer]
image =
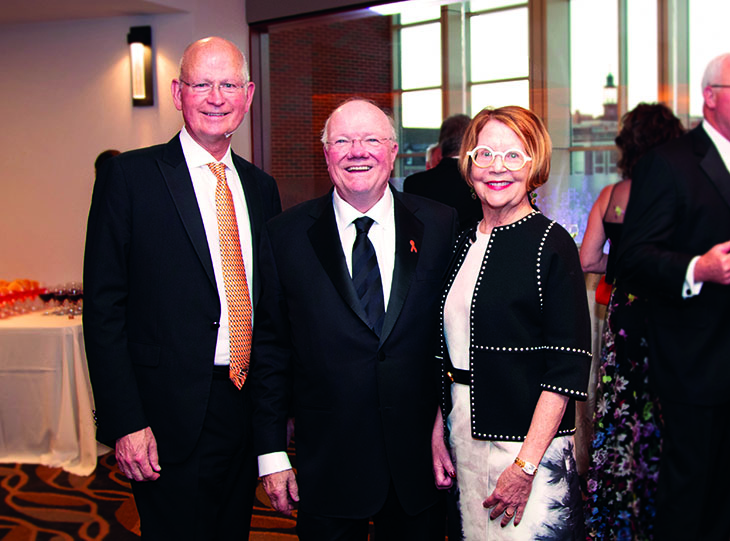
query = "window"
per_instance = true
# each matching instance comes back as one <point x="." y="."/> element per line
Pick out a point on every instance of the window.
<point x="579" y="64"/>
<point x="708" y="38"/>
<point x="498" y="75"/>
<point x="419" y="87"/>
<point x="478" y="75"/>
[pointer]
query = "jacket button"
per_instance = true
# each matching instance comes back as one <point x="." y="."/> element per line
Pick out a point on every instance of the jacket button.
<point x="381" y="356"/>
<point x="215" y="325"/>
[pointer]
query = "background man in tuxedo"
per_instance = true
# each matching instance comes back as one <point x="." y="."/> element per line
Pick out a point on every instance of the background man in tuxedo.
<point x="675" y="248"/>
<point x="170" y="283"/>
<point x="444" y="182"/>
<point x="345" y="344"/>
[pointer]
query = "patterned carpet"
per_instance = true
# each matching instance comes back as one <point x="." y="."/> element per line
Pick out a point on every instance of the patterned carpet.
<point x="38" y="503"/>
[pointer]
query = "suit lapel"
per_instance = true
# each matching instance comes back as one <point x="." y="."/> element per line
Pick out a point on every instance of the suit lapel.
<point x="252" y="193"/>
<point x="177" y="177"/>
<point x="408" y="240"/>
<point x="712" y="164"/>
<point x="326" y="243"/>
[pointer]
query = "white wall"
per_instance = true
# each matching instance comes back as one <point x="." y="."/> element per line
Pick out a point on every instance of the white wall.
<point x="65" y="98"/>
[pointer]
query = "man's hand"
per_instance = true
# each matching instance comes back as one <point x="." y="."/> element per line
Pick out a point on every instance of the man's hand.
<point x="714" y="265"/>
<point x="137" y="455"/>
<point x="282" y="490"/>
<point x="443" y="468"/>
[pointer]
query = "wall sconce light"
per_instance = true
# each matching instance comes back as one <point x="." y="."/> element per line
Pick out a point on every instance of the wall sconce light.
<point x="140" y="61"/>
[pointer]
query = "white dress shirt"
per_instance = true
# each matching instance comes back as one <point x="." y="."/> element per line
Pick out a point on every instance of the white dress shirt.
<point x="382" y="236"/>
<point x="204" y="183"/>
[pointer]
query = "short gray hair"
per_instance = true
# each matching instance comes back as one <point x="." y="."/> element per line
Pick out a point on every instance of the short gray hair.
<point x="714" y="70"/>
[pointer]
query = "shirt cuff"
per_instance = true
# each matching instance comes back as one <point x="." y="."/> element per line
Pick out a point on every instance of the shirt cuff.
<point x="690" y="287"/>
<point x="273" y="463"/>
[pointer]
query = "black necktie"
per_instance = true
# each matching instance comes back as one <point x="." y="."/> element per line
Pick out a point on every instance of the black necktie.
<point x="366" y="275"/>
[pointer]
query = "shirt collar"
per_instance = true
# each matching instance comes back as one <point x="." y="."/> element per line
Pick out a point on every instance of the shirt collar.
<point x="379" y="212"/>
<point x="197" y="156"/>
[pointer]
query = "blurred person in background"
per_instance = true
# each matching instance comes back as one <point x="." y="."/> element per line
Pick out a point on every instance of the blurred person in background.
<point x="433" y="155"/>
<point x="444" y="182"/>
<point x="626" y="446"/>
<point x="104" y="156"/>
<point x="675" y="251"/>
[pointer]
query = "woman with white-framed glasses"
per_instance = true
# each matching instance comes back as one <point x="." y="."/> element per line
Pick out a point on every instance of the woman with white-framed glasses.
<point x="516" y="346"/>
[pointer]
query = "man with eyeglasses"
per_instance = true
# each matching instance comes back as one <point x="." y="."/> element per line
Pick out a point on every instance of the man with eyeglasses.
<point x="171" y="284"/>
<point x="345" y="344"/>
<point x="675" y="248"/>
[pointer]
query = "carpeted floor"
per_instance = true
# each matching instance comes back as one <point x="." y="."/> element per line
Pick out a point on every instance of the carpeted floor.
<point x="38" y="503"/>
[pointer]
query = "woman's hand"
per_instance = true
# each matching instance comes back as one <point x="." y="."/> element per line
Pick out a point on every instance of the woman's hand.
<point x="514" y="486"/>
<point x="510" y="495"/>
<point x="443" y="468"/>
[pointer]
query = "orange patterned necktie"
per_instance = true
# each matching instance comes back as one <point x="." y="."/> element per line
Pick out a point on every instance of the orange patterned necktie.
<point x="234" y="278"/>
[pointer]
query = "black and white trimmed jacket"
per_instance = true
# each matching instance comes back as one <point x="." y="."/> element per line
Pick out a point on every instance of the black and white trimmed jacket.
<point x="530" y="328"/>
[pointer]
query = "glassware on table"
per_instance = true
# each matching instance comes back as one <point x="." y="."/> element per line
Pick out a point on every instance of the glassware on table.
<point x="51" y="304"/>
<point x="60" y="298"/>
<point x="5" y="302"/>
<point x="19" y="303"/>
<point x="75" y="293"/>
<point x="46" y="297"/>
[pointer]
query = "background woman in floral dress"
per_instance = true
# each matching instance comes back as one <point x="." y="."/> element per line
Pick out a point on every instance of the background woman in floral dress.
<point x="624" y="468"/>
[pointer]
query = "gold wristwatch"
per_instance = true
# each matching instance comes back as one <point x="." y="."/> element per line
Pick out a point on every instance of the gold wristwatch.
<point x="528" y="467"/>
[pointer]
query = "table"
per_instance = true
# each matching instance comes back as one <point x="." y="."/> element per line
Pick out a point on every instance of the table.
<point x="45" y="395"/>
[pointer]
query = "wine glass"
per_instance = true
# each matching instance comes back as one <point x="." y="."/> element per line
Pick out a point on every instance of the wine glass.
<point x="60" y="297"/>
<point x="75" y="293"/>
<point x="573" y="230"/>
<point x="46" y="296"/>
<point x="5" y="305"/>
<point x="51" y="303"/>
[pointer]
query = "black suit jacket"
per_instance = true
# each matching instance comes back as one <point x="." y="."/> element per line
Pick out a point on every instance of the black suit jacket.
<point x="364" y="406"/>
<point x="680" y="207"/>
<point x="151" y="306"/>
<point x="445" y="184"/>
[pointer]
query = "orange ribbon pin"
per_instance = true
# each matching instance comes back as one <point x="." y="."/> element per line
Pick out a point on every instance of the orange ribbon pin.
<point x="413" y="247"/>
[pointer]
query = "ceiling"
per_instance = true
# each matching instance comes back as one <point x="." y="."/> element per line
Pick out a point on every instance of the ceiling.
<point x="27" y="11"/>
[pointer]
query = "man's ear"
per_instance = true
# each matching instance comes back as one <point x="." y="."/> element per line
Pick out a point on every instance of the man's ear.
<point x="708" y="93"/>
<point x="176" y="89"/>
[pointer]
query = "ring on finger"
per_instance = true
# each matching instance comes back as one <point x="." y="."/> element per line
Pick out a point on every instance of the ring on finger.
<point x="508" y="514"/>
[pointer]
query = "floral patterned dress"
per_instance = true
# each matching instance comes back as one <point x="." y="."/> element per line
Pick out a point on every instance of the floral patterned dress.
<point x="624" y="469"/>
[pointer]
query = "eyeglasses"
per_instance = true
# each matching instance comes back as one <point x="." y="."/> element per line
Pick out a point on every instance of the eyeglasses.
<point x="343" y="144"/>
<point x="205" y="88"/>
<point x="513" y="159"/>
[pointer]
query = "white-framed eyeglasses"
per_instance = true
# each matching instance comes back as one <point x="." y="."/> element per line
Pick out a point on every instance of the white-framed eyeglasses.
<point x="343" y="144"/>
<point x="205" y="88"/>
<point x="513" y="158"/>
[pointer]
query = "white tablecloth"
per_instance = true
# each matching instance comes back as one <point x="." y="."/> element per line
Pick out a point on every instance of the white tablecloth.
<point x="45" y="396"/>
